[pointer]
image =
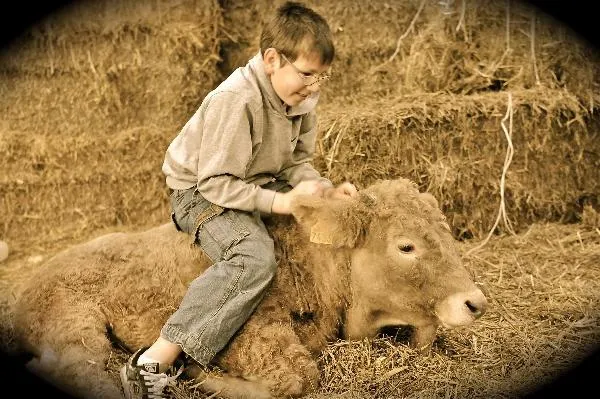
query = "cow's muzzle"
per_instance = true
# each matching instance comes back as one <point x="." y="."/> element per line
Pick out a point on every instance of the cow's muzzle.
<point x="461" y="309"/>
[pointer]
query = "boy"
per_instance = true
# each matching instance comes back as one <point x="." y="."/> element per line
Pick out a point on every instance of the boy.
<point x="245" y="152"/>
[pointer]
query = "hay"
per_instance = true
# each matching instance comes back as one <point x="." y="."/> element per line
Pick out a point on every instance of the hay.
<point x="68" y="189"/>
<point x="130" y="61"/>
<point x="92" y="97"/>
<point x="454" y="146"/>
<point x="391" y="48"/>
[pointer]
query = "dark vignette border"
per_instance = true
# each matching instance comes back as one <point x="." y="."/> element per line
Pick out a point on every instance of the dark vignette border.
<point x="579" y="15"/>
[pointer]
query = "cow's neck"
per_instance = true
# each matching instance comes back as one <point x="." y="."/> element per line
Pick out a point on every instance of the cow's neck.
<point x="319" y="275"/>
<point x="328" y="272"/>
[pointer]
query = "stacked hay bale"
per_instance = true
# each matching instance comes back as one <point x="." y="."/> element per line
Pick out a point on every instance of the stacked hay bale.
<point x="437" y="94"/>
<point x="456" y="148"/>
<point x="489" y="105"/>
<point x="91" y="98"/>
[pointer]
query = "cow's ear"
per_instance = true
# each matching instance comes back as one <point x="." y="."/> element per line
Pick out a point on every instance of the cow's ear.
<point x="335" y="222"/>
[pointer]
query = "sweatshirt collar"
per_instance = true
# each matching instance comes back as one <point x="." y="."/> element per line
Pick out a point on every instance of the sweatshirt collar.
<point x="257" y="66"/>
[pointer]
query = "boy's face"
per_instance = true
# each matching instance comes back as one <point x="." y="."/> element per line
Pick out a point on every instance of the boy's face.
<point x="290" y="80"/>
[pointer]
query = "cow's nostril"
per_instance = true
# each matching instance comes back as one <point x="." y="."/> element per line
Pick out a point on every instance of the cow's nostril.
<point x="476" y="310"/>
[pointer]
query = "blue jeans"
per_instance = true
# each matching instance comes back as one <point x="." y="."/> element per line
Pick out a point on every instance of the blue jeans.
<point x="220" y="300"/>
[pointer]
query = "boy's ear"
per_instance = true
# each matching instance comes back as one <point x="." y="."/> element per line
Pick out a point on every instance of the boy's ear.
<point x="270" y="59"/>
<point x="335" y="222"/>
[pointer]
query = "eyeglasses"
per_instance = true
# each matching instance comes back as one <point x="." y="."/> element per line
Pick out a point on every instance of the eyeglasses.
<point x="309" y="79"/>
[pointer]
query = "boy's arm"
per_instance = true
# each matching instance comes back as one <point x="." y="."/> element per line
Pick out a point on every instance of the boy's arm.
<point x="301" y="169"/>
<point x="224" y="154"/>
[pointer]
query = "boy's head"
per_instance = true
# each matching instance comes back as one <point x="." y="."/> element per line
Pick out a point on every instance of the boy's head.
<point x="296" y="30"/>
<point x="297" y="49"/>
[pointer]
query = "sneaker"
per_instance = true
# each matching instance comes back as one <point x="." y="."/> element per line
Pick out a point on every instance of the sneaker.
<point x="144" y="381"/>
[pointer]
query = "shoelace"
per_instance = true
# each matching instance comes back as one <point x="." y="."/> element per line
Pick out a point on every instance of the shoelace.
<point x="156" y="383"/>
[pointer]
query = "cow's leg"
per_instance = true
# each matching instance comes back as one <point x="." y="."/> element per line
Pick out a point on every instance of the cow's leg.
<point x="268" y="358"/>
<point x="73" y="351"/>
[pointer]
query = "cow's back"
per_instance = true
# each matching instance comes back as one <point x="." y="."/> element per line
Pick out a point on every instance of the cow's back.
<point x="112" y="277"/>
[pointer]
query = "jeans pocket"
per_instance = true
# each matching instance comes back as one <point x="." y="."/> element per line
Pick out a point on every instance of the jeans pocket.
<point x="188" y="205"/>
<point x="220" y="234"/>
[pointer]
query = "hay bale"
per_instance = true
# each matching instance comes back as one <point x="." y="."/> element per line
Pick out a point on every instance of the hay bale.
<point x="455" y="147"/>
<point x="91" y="98"/>
<point x="403" y="47"/>
<point x="120" y="62"/>
<point x="56" y="190"/>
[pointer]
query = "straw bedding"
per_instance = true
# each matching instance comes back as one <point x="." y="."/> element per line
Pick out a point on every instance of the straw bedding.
<point x="491" y="106"/>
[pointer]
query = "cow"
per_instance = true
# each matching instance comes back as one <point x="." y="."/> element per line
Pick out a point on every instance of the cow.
<point x="347" y="268"/>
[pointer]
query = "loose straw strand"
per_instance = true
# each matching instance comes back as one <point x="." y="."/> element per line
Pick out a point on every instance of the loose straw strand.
<point x="461" y="19"/>
<point x="533" y="58"/>
<point x="507" y="160"/>
<point x="507" y="25"/>
<point x="399" y="42"/>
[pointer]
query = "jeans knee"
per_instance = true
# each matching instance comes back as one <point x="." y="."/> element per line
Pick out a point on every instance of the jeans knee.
<point x="259" y="263"/>
<point x="263" y="266"/>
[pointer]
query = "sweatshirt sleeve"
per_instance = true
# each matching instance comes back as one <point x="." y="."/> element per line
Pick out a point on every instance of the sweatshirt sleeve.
<point x="300" y="168"/>
<point x="224" y="154"/>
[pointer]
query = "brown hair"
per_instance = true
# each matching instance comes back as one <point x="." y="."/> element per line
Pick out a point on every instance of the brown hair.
<point x="297" y="30"/>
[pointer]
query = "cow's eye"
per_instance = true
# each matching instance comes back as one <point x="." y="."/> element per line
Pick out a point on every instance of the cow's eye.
<point x="406" y="248"/>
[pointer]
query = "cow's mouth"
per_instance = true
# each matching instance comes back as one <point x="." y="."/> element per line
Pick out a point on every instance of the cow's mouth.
<point x="400" y="333"/>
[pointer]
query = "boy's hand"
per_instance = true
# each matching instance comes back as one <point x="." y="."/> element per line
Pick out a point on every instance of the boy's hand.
<point x="342" y="191"/>
<point x="282" y="201"/>
<point x="310" y="187"/>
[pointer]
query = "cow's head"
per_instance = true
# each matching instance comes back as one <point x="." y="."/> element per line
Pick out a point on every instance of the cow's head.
<point x="405" y="267"/>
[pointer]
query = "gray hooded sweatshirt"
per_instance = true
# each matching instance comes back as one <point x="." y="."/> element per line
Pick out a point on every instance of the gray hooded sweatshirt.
<point x="242" y="137"/>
